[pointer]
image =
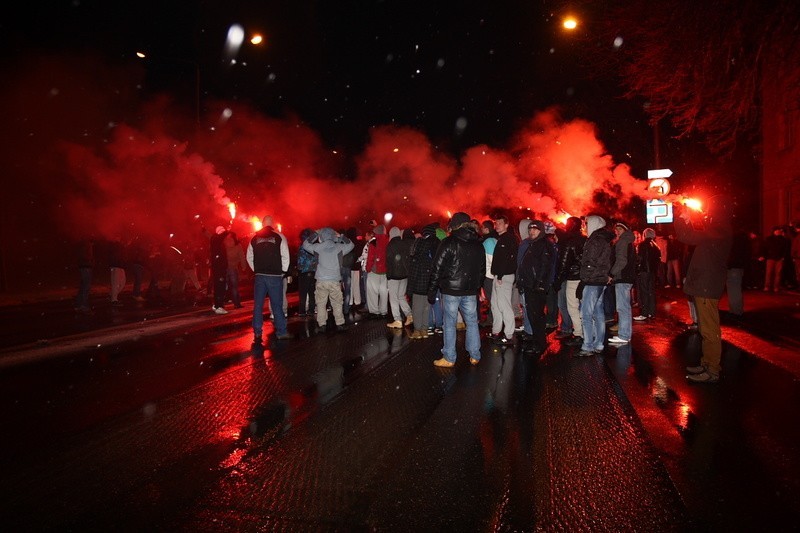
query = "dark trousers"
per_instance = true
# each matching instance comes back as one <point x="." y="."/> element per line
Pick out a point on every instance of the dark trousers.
<point x="305" y="288"/>
<point x="647" y="293"/>
<point x="552" y="307"/>
<point x="535" y="302"/>
<point x="220" y="287"/>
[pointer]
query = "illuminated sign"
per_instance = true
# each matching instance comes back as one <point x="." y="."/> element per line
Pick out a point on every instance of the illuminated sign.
<point x="659" y="212"/>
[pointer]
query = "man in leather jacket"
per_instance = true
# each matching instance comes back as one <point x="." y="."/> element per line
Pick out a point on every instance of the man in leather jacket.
<point x="458" y="271"/>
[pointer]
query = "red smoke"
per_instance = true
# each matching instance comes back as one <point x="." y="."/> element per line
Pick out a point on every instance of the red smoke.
<point x="154" y="174"/>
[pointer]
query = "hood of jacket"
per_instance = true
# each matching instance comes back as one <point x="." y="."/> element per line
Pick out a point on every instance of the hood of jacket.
<point x="594" y="223"/>
<point x="327" y="234"/>
<point x="394" y="232"/>
<point x="523" y="228"/>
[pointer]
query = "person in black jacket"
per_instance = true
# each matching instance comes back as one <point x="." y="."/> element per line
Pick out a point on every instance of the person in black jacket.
<point x="534" y="276"/>
<point x="623" y="274"/>
<point x="504" y="268"/>
<point x="419" y="278"/>
<point x="397" y="252"/>
<point x="595" y="269"/>
<point x="458" y="271"/>
<point x="568" y="276"/>
<point x="647" y="264"/>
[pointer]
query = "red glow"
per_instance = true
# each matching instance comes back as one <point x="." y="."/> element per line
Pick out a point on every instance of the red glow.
<point x="256" y="222"/>
<point x="693" y="203"/>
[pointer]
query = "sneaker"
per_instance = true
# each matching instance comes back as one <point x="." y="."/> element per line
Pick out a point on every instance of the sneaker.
<point x="284" y="336"/>
<point x="395" y="325"/>
<point x="667" y="286"/>
<point x="444" y="363"/>
<point x="138" y="298"/>
<point x="703" y="377"/>
<point x="585" y="353"/>
<point x="563" y="334"/>
<point x="409" y="320"/>
<point x="521" y="327"/>
<point x="504" y="341"/>
<point x="438" y="330"/>
<point x="473" y="361"/>
<point x="639" y="318"/>
<point x="614" y="328"/>
<point x="616" y="339"/>
<point x="341" y="327"/>
<point x="220" y="311"/>
<point x="574" y="341"/>
<point x="431" y="330"/>
<point x="696" y="369"/>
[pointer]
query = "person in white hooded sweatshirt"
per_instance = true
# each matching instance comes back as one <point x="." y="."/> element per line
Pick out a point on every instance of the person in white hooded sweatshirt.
<point x="595" y="277"/>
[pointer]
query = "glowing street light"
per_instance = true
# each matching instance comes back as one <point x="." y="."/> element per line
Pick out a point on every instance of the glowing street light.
<point x="570" y="23"/>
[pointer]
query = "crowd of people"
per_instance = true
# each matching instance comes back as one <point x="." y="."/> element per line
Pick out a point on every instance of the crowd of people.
<point x="574" y="280"/>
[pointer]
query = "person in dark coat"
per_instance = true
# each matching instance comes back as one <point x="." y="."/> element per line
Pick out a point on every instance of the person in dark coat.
<point x="535" y="275"/>
<point x="623" y="274"/>
<point x="397" y="252"/>
<point x="458" y="271"/>
<point x="219" y="268"/>
<point x="419" y="278"/>
<point x="570" y="250"/>
<point x="595" y="267"/>
<point x="647" y="265"/>
<point x="705" y="281"/>
<point x="737" y="263"/>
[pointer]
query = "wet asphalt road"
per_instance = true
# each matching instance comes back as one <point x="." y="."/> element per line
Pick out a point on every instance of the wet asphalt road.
<point x="191" y="429"/>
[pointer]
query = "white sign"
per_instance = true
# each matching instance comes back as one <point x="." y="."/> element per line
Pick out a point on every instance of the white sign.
<point x="659" y="173"/>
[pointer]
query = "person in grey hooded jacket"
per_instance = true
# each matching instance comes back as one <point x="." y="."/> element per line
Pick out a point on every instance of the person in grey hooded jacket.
<point x="329" y="247"/>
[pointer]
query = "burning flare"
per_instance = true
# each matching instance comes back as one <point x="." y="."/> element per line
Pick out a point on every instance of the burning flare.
<point x="232" y="210"/>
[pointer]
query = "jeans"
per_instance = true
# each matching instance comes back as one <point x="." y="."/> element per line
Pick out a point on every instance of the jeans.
<point x="593" y="318"/>
<point x="346" y="287"/>
<point x="624" y="315"/>
<point x="82" y="299"/>
<point x="232" y="280"/>
<point x="535" y="302"/>
<point x="552" y="307"/>
<point x="526" y="322"/>
<point x="436" y="311"/>
<point x="469" y="310"/>
<point x="271" y="287"/>
<point x="305" y="287"/>
<point x="734" y="287"/>
<point x="566" y="321"/>
<point x="138" y="276"/>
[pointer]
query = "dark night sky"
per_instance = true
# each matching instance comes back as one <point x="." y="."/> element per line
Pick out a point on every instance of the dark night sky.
<point x="345" y="66"/>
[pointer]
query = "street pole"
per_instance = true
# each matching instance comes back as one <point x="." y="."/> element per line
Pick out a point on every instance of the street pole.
<point x="657" y="144"/>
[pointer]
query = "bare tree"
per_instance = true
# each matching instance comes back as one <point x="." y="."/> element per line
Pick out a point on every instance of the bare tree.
<point x="699" y="63"/>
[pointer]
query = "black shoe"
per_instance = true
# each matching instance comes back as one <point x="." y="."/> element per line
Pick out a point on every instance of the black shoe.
<point x="574" y="341"/>
<point x="563" y="335"/>
<point x="284" y="337"/>
<point x="257" y="341"/>
<point x="341" y="327"/>
<point x="504" y="341"/>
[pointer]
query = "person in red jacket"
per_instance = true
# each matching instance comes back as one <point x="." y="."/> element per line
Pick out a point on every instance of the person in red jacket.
<point x="377" y="284"/>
